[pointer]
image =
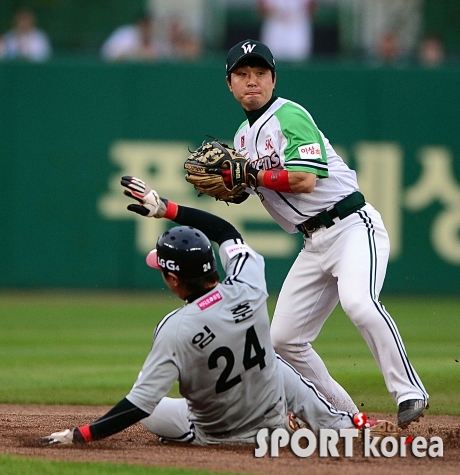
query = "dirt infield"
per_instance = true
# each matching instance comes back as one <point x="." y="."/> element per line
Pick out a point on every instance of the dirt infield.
<point x="137" y="446"/>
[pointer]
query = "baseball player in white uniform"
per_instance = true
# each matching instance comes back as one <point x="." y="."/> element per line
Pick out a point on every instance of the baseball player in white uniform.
<point x="217" y="345"/>
<point x="307" y="187"/>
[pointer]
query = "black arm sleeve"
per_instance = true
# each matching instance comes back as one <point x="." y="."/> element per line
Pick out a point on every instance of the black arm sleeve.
<point x="215" y="228"/>
<point x="121" y="416"/>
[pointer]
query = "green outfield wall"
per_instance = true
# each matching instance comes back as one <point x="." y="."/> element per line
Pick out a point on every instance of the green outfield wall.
<point x="69" y="129"/>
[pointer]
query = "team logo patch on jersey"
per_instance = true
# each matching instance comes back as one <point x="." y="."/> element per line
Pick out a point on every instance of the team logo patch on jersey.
<point x="242" y="142"/>
<point x="209" y="300"/>
<point x="311" y="151"/>
<point x="238" y="249"/>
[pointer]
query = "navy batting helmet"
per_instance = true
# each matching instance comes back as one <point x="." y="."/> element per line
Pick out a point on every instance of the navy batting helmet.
<point x="184" y="251"/>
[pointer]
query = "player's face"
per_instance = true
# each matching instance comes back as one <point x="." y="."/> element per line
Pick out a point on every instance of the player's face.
<point x="252" y="86"/>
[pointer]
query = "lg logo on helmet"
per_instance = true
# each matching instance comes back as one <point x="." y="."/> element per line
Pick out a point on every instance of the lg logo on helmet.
<point x="169" y="264"/>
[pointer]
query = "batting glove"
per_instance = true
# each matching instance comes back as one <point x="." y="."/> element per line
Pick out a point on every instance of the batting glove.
<point x="63" y="437"/>
<point x="67" y="436"/>
<point x="150" y="203"/>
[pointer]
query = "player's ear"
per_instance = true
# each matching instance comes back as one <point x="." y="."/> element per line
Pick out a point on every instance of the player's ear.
<point x="173" y="279"/>
<point x="229" y="81"/>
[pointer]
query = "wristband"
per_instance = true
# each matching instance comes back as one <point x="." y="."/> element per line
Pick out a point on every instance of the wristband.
<point x="171" y="210"/>
<point x="85" y="431"/>
<point x="277" y="180"/>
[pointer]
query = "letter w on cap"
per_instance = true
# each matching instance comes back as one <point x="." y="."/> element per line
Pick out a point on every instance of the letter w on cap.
<point x="248" y="47"/>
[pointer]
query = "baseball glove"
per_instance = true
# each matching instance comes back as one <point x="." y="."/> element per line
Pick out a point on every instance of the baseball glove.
<point x="219" y="171"/>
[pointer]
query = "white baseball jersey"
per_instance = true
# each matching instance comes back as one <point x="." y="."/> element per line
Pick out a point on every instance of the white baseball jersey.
<point x="286" y="137"/>
<point x="345" y="262"/>
<point x="218" y="348"/>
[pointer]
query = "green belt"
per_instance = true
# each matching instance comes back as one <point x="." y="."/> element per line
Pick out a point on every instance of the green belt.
<point x="341" y="210"/>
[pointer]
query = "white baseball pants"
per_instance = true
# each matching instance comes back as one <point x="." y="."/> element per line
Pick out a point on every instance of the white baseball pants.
<point x="345" y="262"/>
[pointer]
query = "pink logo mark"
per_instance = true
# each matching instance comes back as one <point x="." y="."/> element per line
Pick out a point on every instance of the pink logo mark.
<point x="209" y="300"/>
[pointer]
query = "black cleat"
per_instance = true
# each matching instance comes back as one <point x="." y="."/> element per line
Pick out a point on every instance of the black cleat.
<point x="410" y="411"/>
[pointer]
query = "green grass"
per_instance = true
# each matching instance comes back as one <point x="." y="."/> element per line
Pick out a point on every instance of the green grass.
<point x="75" y="348"/>
<point x="430" y="329"/>
<point x="87" y="348"/>
<point x="10" y="465"/>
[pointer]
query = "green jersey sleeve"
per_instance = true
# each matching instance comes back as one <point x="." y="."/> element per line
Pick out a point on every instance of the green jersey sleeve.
<point x="304" y="149"/>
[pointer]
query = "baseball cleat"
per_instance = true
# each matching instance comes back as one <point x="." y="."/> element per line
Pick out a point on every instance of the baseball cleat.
<point x="410" y="411"/>
<point x="381" y="428"/>
<point x="293" y="423"/>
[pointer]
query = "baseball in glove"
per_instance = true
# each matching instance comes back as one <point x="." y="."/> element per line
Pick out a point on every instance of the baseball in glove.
<point x="219" y="171"/>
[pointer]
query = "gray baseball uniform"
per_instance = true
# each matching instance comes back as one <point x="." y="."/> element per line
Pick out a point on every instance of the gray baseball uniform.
<point x="218" y="348"/>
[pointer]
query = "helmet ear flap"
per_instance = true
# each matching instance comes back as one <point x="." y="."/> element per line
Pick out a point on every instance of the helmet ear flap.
<point x="186" y="252"/>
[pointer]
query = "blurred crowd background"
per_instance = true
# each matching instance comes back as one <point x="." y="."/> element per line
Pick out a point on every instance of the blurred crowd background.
<point x="95" y="89"/>
<point x="378" y="31"/>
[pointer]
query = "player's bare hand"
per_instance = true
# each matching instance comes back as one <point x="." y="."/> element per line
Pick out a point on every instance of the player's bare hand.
<point x="63" y="437"/>
<point x="150" y="204"/>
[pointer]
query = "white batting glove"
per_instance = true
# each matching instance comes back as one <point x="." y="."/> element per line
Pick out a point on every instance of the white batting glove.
<point x="63" y="437"/>
<point x="150" y="203"/>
